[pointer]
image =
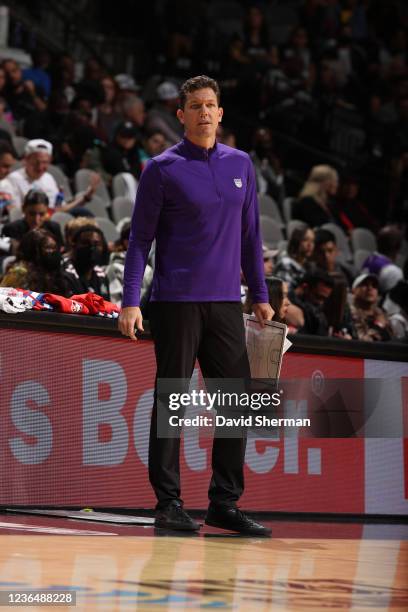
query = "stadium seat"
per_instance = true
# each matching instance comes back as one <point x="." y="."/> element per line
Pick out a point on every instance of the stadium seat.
<point x="362" y="238"/>
<point x="82" y="180"/>
<point x="61" y="180"/>
<point x="269" y="208"/>
<point x="121" y="207"/>
<point x="19" y="143"/>
<point x="62" y="219"/>
<point x="341" y="239"/>
<point x="121" y="187"/>
<point x="271" y="232"/>
<point x="294" y="224"/>
<point x="97" y="206"/>
<point x="109" y="230"/>
<point x="359" y="257"/>
<point x="287" y="209"/>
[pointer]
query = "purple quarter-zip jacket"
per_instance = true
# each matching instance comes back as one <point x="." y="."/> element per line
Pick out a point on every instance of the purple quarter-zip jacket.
<point x="201" y="207"/>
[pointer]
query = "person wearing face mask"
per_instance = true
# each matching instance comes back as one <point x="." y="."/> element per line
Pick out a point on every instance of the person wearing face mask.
<point x="38" y="265"/>
<point x="85" y="270"/>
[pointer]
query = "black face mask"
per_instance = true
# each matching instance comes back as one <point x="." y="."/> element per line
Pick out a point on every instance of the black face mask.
<point x="51" y="261"/>
<point x="86" y="257"/>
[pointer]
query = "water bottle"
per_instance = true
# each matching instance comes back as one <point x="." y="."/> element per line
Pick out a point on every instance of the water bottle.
<point x="59" y="198"/>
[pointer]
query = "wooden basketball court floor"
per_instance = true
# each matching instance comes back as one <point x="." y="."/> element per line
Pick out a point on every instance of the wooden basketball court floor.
<point x="307" y="566"/>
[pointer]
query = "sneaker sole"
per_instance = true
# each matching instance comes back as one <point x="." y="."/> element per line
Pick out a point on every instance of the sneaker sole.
<point x="212" y="523"/>
<point x="174" y="527"/>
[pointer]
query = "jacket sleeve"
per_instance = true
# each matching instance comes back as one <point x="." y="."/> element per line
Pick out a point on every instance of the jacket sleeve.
<point x="251" y="243"/>
<point x="145" y="218"/>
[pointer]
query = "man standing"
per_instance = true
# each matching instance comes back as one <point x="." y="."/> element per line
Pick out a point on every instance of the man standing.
<point x="198" y="200"/>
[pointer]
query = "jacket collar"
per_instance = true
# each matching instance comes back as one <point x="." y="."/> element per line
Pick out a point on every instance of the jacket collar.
<point x="197" y="152"/>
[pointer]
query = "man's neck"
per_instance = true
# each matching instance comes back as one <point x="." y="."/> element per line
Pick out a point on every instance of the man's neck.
<point x="204" y="143"/>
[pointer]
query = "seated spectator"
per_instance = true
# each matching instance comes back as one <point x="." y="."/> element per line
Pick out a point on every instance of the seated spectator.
<point x="108" y="117"/>
<point x="34" y="175"/>
<point x="122" y="155"/>
<point x="70" y="230"/>
<point x="370" y="321"/>
<point x="326" y="256"/>
<point x="350" y="211"/>
<point x="38" y="265"/>
<point x="37" y="73"/>
<point x="133" y="110"/>
<point x="268" y="259"/>
<point x="153" y="144"/>
<point x="396" y="306"/>
<point x="115" y="269"/>
<point x="256" y="35"/>
<point x="7" y="193"/>
<point x="313" y="205"/>
<point x="163" y="114"/>
<point x="381" y="262"/>
<point x="268" y="168"/>
<point x="292" y="267"/>
<point x="22" y="96"/>
<point x="84" y="270"/>
<point x="35" y="211"/>
<point x="311" y="296"/>
<point x="285" y="311"/>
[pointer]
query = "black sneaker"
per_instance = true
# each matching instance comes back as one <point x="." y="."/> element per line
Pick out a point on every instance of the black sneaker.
<point x="233" y="519"/>
<point x="174" y="517"/>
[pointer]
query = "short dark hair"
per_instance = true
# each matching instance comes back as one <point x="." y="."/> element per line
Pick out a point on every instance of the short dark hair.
<point x="196" y="83"/>
<point x="5" y="147"/>
<point x="312" y="279"/>
<point x="389" y="240"/>
<point x="322" y="236"/>
<point x="35" y="196"/>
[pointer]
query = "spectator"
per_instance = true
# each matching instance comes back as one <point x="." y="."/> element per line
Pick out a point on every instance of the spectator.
<point x="34" y="175"/>
<point x="313" y="206"/>
<point x="350" y="211"/>
<point x="326" y="256"/>
<point x="70" y="230"/>
<point x="311" y="296"/>
<point x="38" y="265"/>
<point x="163" y="114"/>
<point x="396" y="306"/>
<point x="256" y="35"/>
<point x="370" y="321"/>
<point x="268" y="259"/>
<point x="38" y="74"/>
<point x="292" y="267"/>
<point x="35" y="211"/>
<point x="153" y="144"/>
<point x="22" y="96"/>
<point x="133" y="110"/>
<point x="268" y="168"/>
<point x="114" y="271"/>
<point x="7" y="192"/>
<point x="123" y="154"/>
<point x="381" y="262"/>
<point x="107" y="116"/>
<point x="84" y="271"/>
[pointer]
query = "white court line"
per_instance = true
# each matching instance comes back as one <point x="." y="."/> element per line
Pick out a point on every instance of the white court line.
<point x="53" y="530"/>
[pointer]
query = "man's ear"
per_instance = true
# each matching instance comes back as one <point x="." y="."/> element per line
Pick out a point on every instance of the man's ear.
<point x="220" y="114"/>
<point x="180" y="115"/>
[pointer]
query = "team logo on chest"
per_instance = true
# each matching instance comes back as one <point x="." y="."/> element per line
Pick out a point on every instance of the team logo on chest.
<point x="238" y="182"/>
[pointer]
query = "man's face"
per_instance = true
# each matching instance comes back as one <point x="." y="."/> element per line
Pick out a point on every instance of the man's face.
<point x="201" y="114"/>
<point x="367" y="292"/>
<point x="37" y="163"/>
<point x="319" y="294"/>
<point x="13" y="71"/>
<point x="326" y="255"/>
<point x="35" y="215"/>
<point x="6" y="163"/>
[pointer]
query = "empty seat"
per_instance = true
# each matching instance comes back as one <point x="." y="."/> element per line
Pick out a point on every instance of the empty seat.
<point x="19" y="143"/>
<point x="82" y="180"/>
<point x="97" y="206"/>
<point x="294" y="224"/>
<point x="287" y="209"/>
<point x="121" y="207"/>
<point x="61" y="180"/>
<point x="269" y="208"/>
<point x="341" y="239"/>
<point x="362" y="238"/>
<point x="271" y="232"/>
<point x="124" y="184"/>
<point x="109" y="230"/>
<point x="62" y="219"/>
<point x="359" y="257"/>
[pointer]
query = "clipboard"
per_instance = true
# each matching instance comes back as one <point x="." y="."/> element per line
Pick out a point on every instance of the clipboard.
<point x="265" y="346"/>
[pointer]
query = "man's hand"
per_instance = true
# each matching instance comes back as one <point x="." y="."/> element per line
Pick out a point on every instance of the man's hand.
<point x="263" y="312"/>
<point x="129" y="318"/>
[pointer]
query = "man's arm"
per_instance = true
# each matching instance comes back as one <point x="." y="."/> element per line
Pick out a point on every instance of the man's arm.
<point x="149" y="201"/>
<point x="251" y="251"/>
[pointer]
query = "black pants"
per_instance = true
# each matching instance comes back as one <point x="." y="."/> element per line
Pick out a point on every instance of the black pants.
<point x="213" y="333"/>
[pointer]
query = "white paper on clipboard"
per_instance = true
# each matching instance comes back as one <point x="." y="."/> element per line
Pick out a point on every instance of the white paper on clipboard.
<point x="265" y="346"/>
